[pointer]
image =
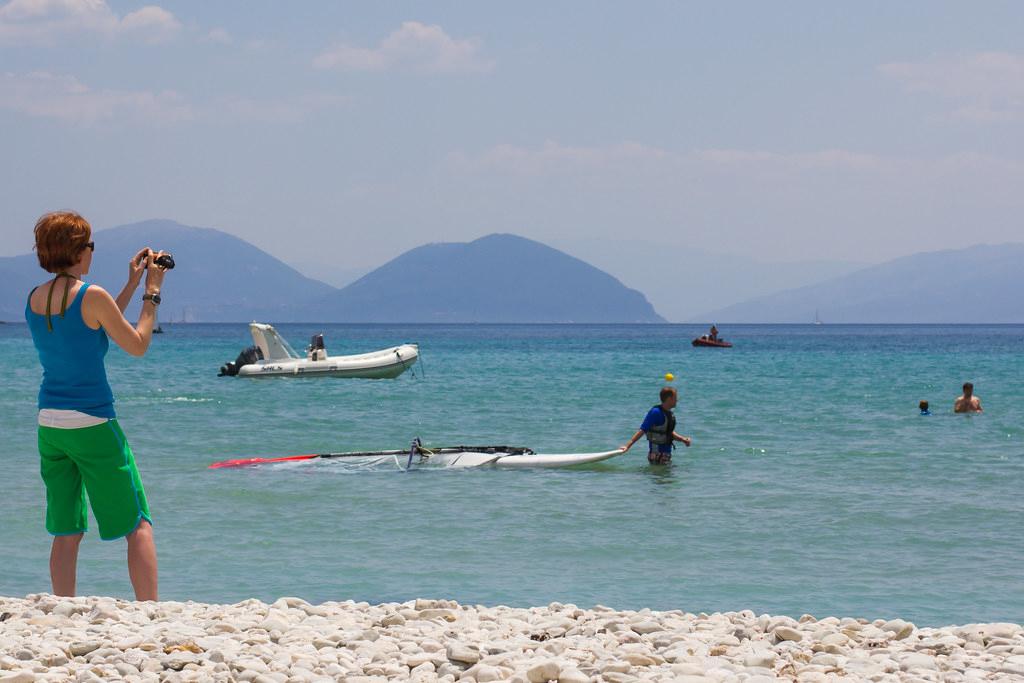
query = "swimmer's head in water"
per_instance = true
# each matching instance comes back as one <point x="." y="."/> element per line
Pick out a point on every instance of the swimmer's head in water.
<point x="968" y="388"/>
<point x="923" y="405"/>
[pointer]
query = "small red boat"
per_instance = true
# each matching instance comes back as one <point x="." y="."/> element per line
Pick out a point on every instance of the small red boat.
<point x="708" y="341"/>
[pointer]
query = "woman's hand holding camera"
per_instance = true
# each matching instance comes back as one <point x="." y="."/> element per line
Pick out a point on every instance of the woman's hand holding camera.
<point x="154" y="264"/>
<point x="154" y="272"/>
<point x="137" y="266"/>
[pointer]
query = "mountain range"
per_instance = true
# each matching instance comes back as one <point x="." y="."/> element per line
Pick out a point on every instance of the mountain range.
<point x="497" y="278"/>
<point x="979" y="284"/>
<point x="216" y="277"/>
<point x="504" y="278"/>
<point x="221" y="278"/>
<point x="685" y="283"/>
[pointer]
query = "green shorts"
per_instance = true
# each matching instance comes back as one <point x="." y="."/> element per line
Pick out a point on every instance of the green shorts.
<point x="98" y="461"/>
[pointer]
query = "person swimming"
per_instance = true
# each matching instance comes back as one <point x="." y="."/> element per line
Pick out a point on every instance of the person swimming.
<point x="923" y="405"/>
<point x="967" y="402"/>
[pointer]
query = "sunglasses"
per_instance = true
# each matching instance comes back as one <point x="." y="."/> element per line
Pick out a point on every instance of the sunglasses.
<point x="91" y="245"/>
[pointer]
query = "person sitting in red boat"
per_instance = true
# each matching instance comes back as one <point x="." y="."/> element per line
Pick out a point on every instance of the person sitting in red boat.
<point x="714" y="333"/>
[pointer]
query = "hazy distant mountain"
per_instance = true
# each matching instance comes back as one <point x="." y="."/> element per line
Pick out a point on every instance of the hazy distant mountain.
<point x="498" y="278"/>
<point x="18" y="274"/>
<point x="981" y="284"/>
<point x="687" y="282"/>
<point x="221" y="278"/>
<point x="218" y="277"/>
<point x="328" y="273"/>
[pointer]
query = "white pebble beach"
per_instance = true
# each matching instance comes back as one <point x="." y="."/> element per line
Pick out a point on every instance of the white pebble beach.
<point x="47" y="638"/>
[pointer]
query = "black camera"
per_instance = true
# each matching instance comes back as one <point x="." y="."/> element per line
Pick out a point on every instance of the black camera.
<point x="165" y="261"/>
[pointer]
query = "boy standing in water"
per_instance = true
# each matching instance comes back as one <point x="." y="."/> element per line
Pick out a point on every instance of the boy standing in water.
<point x="660" y="426"/>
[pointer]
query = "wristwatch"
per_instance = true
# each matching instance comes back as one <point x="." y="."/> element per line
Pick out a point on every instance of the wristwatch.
<point x="155" y="298"/>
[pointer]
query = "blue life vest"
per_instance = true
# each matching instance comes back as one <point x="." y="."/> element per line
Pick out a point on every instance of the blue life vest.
<point x="659" y="435"/>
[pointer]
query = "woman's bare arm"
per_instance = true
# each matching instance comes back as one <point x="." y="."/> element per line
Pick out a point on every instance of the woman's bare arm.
<point x="102" y="308"/>
<point x="136" y="269"/>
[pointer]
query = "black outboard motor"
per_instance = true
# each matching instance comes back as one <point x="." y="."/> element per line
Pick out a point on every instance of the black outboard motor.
<point x="246" y="357"/>
<point x="317" y="351"/>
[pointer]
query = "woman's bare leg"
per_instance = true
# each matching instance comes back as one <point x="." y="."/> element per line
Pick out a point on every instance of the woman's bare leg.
<point x="142" y="561"/>
<point x="64" y="564"/>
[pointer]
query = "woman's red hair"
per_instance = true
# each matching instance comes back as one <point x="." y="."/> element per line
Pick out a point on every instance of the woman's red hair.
<point x="60" y="238"/>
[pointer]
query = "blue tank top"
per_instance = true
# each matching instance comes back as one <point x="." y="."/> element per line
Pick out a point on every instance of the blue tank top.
<point x="74" y="377"/>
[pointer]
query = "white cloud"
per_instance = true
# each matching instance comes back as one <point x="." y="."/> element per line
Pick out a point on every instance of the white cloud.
<point x="219" y="35"/>
<point x="831" y="202"/>
<point x="798" y="176"/>
<point x="633" y="163"/>
<point x="294" y="109"/>
<point x="415" y="47"/>
<point x="65" y="98"/>
<point x="45" y="21"/>
<point x="152" y="22"/>
<point x="826" y="158"/>
<point x="983" y="87"/>
<point x="554" y="157"/>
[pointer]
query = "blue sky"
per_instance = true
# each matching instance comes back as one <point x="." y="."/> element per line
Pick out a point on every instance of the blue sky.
<point x="341" y="134"/>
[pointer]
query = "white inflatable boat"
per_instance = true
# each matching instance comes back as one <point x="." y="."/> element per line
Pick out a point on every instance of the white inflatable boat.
<point x="271" y="356"/>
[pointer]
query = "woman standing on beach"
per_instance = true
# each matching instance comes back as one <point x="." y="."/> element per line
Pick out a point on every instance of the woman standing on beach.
<point x="81" y="446"/>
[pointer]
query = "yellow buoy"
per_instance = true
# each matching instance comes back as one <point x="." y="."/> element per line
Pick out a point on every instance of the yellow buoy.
<point x="669" y="377"/>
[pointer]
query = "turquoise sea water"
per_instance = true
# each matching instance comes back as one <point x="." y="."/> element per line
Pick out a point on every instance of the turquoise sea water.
<point x="812" y="486"/>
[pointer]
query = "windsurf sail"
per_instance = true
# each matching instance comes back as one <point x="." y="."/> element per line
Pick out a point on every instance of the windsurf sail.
<point x="417" y="449"/>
